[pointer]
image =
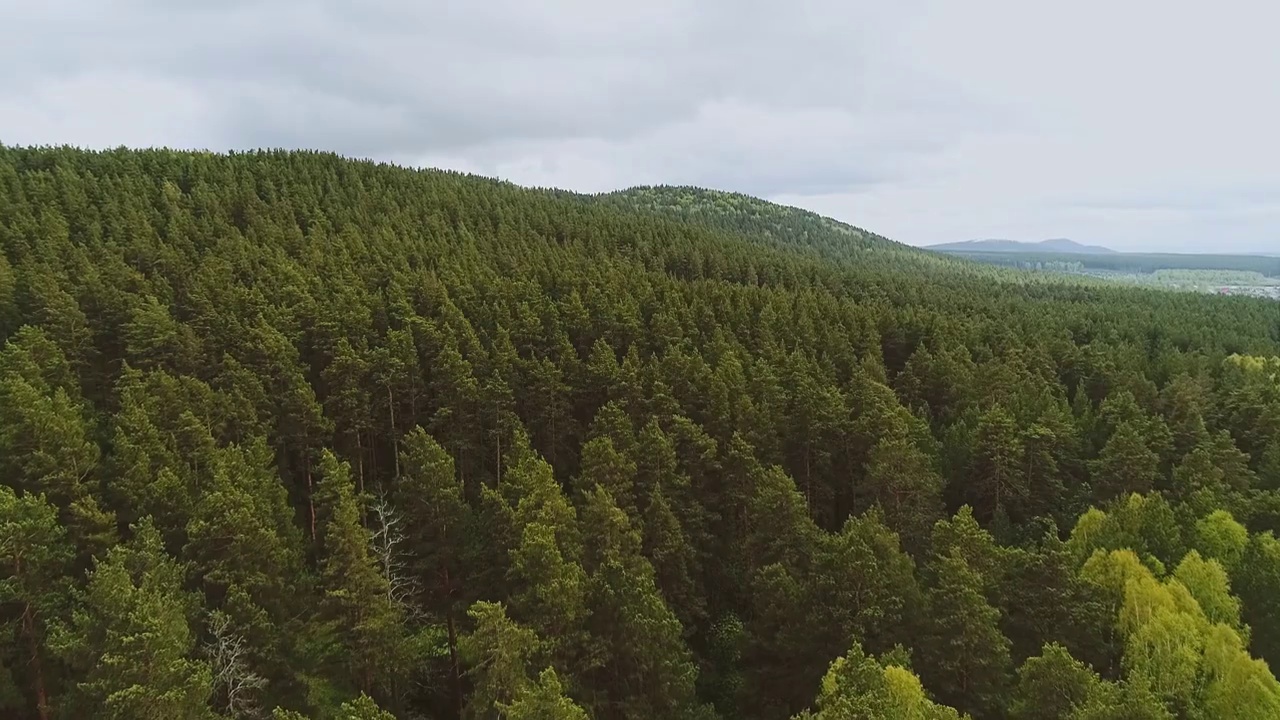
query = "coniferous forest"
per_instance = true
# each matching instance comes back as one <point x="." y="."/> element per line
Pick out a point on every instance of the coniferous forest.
<point x="285" y="435"/>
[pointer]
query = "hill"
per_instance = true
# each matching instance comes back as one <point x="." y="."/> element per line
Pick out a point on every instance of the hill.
<point x="748" y="215"/>
<point x="287" y="434"/>
<point x="769" y="223"/>
<point x="1057" y="245"/>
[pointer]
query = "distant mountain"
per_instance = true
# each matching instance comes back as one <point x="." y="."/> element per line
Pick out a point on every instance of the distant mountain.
<point x="1056" y="245"/>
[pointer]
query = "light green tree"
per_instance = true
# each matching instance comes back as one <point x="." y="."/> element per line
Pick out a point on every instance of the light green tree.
<point x="857" y="687"/>
<point x="132" y="639"/>
<point x="542" y="700"/>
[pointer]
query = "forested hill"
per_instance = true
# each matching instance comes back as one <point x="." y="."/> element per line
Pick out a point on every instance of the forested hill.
<point x="288" y="435"/>
<point x="795" y="229"/>
<point x="746" y="215"/>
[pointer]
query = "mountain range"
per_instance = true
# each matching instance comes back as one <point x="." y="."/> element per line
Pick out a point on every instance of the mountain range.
<point x="1057" y="245"/>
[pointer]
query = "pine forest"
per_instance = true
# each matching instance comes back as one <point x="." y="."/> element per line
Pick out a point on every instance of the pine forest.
<point x="292" y="436"/>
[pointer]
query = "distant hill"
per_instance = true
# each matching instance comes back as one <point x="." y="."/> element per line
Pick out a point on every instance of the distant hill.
<point x="784" y="226"/>
<point x="751" y="216"/>
<point x="1057" y="245"/>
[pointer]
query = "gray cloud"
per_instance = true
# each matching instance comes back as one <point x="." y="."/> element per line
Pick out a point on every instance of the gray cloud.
<point x="737" y="93"/>
<point x="926" y="120"/>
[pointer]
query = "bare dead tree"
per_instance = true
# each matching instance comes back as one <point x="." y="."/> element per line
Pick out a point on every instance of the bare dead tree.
<point x="234" y="681"/>
<point x="387" y="539"/>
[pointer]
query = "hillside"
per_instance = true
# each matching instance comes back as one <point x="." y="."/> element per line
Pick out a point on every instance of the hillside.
<point x="1056" y="245"/>
<point x="288" y="435"/>
<point x="746" y="215"/>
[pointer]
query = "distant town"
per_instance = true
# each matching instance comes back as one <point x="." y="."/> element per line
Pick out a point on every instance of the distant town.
<point x="1263" y="291"/>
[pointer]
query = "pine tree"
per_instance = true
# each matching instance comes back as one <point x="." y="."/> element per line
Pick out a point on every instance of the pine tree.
<point x="439" y="519"/>
<point x="132" y="640"/>
<point x="645" y="669"/>
<point x="364" y="708"/>
<point x="544" y="700"/>
<point x="35" y="570"/>
<point x="675" y="562"/>
<point x="996" y="479"/>
<point x="907" y="489"/>
<point x="242" y="531"/>
<point x="1126" y="465"/>
<point x="603" y="466"/>
<point x="498" y="652"/>
<point x="46" y="445"/>
<point x="1259" y="590"/>
<point x="964" y="658"/>
<point x="549" y="583"/>
<point x="357" y="596"/>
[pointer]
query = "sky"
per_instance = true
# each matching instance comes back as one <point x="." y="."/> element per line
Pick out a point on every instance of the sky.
<point x="1136" y="124"/>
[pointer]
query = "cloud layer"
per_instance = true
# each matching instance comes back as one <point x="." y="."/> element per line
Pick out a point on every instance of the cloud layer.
<point x="1143" y="125"/>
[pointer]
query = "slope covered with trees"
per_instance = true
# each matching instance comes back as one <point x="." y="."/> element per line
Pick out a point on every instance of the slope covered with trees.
<point x="288" y="435"/>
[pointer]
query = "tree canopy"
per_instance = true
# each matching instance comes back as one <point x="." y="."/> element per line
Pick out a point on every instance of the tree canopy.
<point x="288" y="435"/>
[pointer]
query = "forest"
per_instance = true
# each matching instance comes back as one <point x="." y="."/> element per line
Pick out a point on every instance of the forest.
<point x="287" y="435"/>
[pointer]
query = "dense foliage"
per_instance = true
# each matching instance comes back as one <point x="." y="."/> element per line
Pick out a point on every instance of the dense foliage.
<point x="287" y="435"/>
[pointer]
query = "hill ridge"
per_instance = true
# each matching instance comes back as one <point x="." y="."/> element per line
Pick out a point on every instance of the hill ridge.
<point x="1061" y="245"/>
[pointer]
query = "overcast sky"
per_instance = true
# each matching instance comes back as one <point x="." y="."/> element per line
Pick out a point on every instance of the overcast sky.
<point x="1137" y="124"/>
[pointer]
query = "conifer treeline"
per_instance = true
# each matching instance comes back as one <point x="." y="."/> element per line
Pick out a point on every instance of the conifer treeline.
<point x="284" y="434"/>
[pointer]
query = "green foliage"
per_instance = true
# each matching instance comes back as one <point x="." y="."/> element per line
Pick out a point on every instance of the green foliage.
<point x="1220" y="537"/>
<point x="34" y="590"/>
<point x="132" y="641"/>
<point x="1126" y="465"/>
<point x="857" y="687"/>
<point x="357" y="595"/>
<point x="644" y="668"/>
<point x="544" y="700"/>
<point x="346" y="440"/>
<point x="499" y="652"/>
<point x="1052" y="686"/>
<point x="965" y="658"/>
<point x="1259" y="590"/>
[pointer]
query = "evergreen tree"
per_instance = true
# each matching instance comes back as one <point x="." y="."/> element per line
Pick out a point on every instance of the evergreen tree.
<point x="964" y="657"/>
<point x="357" y="598"/>
<point x="35" y="593"/>
<point x="644" y="670"/>
<point x="1259" y="590"/>
<point x="907" y="488"/>
<point x="997" y="480"/>
<point x="132" y="639"/>
<point x="498" y="652"/>
<point x="438" y="519"/>
<point x="544" y="700"/>
<point x="1126" y="465"/>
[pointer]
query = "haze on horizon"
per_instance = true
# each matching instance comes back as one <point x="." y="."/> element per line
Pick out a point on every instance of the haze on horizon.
<point x="1140" y="126"/>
